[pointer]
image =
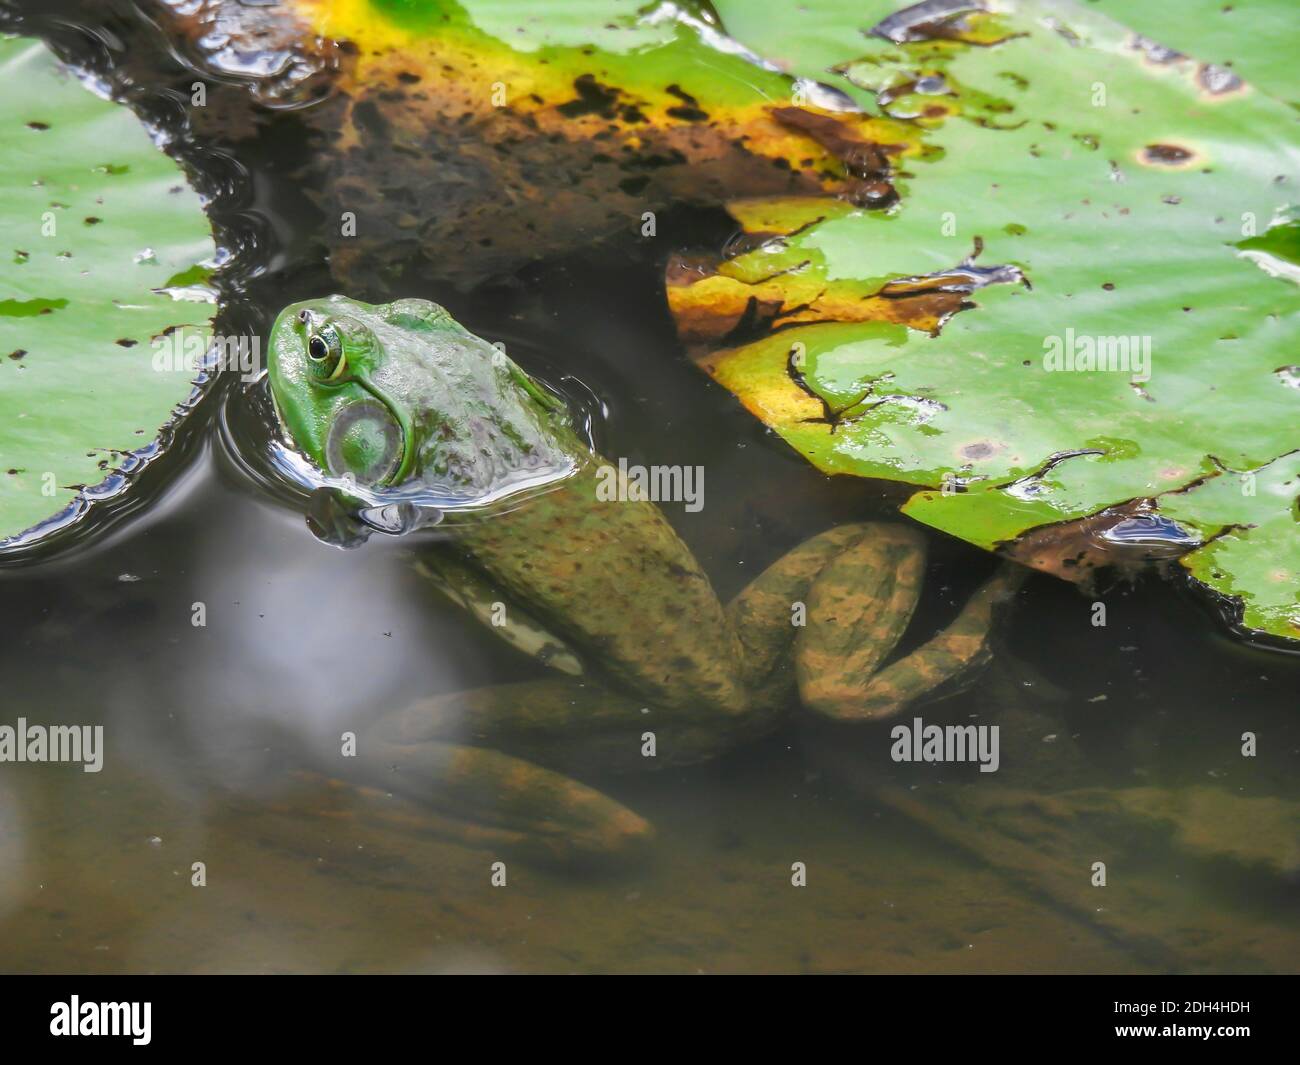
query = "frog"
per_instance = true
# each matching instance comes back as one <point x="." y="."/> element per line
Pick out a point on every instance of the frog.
<point x="646" y="666"/>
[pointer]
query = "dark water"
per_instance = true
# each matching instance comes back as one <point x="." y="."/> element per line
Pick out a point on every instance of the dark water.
<point x="211" y="731"/>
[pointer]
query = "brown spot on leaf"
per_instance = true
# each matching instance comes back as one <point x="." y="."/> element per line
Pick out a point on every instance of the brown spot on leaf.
<point x="866" y="161"/>
<point x="690" y="110"/>
<point x="593" y="99"/>
<point x="1166" y="155"/>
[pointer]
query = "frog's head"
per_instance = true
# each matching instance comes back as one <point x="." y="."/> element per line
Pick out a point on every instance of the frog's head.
<point x="401" y="392"/>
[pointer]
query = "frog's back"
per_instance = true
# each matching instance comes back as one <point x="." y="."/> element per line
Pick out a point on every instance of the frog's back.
<point x="614" y="579"/>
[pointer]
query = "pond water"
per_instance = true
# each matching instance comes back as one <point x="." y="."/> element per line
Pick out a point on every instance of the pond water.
<point x="212" y="732"/>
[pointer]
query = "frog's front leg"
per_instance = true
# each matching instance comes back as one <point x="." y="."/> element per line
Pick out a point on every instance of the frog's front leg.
<point x="857" y="587"/>
<point x="765" y="613"/>
<point x="466" y="587"/>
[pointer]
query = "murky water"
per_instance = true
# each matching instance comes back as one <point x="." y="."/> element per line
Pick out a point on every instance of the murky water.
<point x="212" y="731"/>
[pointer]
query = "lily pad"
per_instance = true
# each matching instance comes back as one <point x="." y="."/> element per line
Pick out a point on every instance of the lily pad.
<point x="1081" y="305"/>
<point x="461" y="140"/>
<point x="104" y="319"/>
<point x="1256" y="39"/>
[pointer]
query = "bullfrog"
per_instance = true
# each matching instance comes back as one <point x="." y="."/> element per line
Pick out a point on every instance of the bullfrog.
<point x="648" y="667"/>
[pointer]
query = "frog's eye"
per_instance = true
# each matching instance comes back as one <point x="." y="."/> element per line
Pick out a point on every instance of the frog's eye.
<point x="325" y="352"/>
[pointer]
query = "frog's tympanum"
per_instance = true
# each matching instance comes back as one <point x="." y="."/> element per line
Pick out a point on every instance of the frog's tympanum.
<point x="651" y="668"/>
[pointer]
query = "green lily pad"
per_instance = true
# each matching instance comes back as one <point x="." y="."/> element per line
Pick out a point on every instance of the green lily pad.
<point x="1257" y="39"/>
<point x="1076" y="200"/>
<point x="104" y="317"/>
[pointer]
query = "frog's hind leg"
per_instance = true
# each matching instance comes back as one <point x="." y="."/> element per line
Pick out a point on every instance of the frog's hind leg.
<point x="499" y="783"/>
<point x="560" y="723"/>
<point x="537" y="810"/>
<point x="858" y="609"/>
<point x="765" y="614"/>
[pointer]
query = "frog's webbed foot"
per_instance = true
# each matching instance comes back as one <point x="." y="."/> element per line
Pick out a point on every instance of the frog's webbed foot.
<point x="858" y="608"/>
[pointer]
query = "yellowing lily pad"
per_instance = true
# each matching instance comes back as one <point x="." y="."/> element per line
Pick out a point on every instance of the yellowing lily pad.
<point x="460" y="140"/>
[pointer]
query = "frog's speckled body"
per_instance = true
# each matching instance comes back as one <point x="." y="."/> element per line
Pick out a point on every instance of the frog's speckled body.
<point x="602" y="591"/>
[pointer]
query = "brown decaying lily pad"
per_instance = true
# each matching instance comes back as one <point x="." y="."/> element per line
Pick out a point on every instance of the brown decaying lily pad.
<point x="455" y="173"/>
